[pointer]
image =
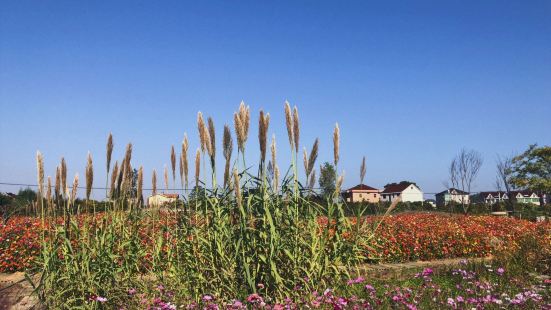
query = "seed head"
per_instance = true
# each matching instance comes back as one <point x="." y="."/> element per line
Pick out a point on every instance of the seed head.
<point x="197" y="166"/>
<point x="109" y="151"/>
<point x="57" y="182"/>
<point x="49" y="191"/>
<point x="362" y="171"/>
<point x="154" y="183"/>
<point x="75" y="188"/>
<point x="263" y="123"/>
<point x="173" y="163"/>
<point x="296" y="128"/>
<point x="289" y="123"/>
<point x="228" y="148"/>
<point x="114" y="176"/>
<point x="336" y="142"/>
<point x="166" y="178"/>
<point x="212" y="137"/>
<point x="64" y="175"/>
<point x="313" y="157"/>
<point x="40" y="173"/>
<point x="185" y="147"/>
<point x="89" y="176"/>
<point x="237" y="187"/>
<point x="139" y="188"/>
<point x="273" y="149"/>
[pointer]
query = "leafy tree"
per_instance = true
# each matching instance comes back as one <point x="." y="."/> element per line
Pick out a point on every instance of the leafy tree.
<point x="27" y="195"/>
<point x="327" y="180"/>
<point x="532" y="170"/>
<point x="401" y="183"/>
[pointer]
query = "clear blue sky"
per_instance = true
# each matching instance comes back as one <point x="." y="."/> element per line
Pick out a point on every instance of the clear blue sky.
<point x="409" y="83"/>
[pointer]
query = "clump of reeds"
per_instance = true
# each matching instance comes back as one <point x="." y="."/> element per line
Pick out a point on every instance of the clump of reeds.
<point x="338" y="185"/>
<point x="362" y="171"/>
<point x="227" y="143"/>
<point x="312" y="181"/>
<point x="89" y="176"/>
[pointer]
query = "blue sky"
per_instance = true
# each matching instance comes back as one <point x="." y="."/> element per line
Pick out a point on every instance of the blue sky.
<point x="409" y="83"/>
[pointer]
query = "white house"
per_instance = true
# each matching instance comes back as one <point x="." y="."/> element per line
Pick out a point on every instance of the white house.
<point x="408" y="192"/>
<point x="161" y="199"/>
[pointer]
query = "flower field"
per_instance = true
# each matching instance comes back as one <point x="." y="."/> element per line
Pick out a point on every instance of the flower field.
<point x="399" y="238"/>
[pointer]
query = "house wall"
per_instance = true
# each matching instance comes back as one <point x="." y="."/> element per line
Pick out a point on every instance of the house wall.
<point x="364" y="196"/>
<point x="159" y="200"/>
<point x="412" y="194"/>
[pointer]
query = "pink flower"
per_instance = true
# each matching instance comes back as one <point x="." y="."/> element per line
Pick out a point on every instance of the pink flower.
<point x="255" y="298"/>
<point x="207" y="298"/>
<point x="500" y="271"/>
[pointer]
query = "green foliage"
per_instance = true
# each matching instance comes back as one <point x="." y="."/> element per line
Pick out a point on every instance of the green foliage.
<point x="327" y="180"/>
<point x="532" y="169"/>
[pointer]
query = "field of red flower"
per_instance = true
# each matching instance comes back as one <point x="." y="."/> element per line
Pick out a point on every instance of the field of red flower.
<point x="399" y="238"/>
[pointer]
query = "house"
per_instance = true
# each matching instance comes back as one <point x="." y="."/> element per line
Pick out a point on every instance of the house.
<point x="406" y="191"/>
<point x="161" y="199"/>
<point x="362" y="193"/>
<point x="452" y="195"/>
<point x="489" y="197"/>
<point x="525" y="197"/>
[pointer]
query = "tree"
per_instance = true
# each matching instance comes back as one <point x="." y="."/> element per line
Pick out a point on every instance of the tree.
<point x="463" y="171"/>
<point x="327" y="180"/>
<point x="532" y="170"/>
<point x="504" y="166"/>
<point x="401" y="183"/>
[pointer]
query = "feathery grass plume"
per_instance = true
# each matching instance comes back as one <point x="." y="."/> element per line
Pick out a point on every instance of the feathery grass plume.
<point x="75" y="189"/>
<point x="227" y="142"/>
<point x="154" y="183"/>
<point x="212" y="138"/>
<point x="128" y="156"/>
<point x="120" y="179"/>
<point x="362" y="171"/>
<point x="263" y="123"/>
<point x="289" y="123"/>
<point x="182" y="169"/>
<point x="57" y="182"/>
<point x="237" y="189"/>
<point x="275" y="185"/>
<point x="239" y="132"/>
<point x="173" y="163"/>
<point x="40" y="173"/>
<point x="166" y="178"/>
<point x="336" y="142"/>
<point x="139" y="189"/>
<point x="114" y="176"/>
<point x="313" y="156"/>
<point x="274" y="151"/>
<point x="63" y="171"/>
<point x="185" y="147"/>
<point x="305" y="161"/>
<point x="312" y="179"/>
<point x="197" y="166"/>
<point x="245" y="116"/>
<point x="338" y="184"/>
<point x="49" y="191"/>
<point x="296" y="128"/>
<point x="202" y="131"/>
<point x="89" y="176"/>
<point x="109" y="150"/>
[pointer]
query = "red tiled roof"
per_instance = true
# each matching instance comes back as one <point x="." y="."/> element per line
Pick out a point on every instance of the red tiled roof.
<point x="169" y="195"/>
<point x="396" y="188"/>
<point x="362" y="187"/>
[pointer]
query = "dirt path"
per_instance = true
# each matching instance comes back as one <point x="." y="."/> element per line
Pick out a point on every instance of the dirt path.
<point x="16" y="292"/>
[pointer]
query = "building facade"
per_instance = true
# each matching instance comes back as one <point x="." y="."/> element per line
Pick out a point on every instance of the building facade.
<point x="452" y="195"/>
<point x="362" y="193"/>
<point x="407" y="192"/>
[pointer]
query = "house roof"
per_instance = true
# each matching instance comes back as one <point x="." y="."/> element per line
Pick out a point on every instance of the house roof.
<point x="458" y="191"/>
<point x="362" y="187"/>
<point x="524" y="193"/>
<point x="396" y="188"/>
<point x="494" y="194"/>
